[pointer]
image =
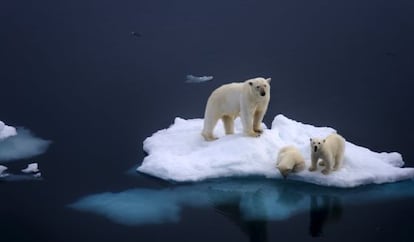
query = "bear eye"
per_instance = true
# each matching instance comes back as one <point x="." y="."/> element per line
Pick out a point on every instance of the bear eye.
<point x="257" y="87"/>
<point x="319" y="143"/>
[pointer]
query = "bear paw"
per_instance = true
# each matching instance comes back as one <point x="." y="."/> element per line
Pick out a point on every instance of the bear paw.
<point x="312" y="168"/>
<point x="209" y="137"/>
<point x="253" y="134"/>
<point x="260" y="131"/>
<point x="326" y="171"/>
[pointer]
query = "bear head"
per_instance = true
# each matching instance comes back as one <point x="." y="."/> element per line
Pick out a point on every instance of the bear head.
<point x="316" y="144"/>
<point x="260" y="86"/>
<point x="284" y="170"/>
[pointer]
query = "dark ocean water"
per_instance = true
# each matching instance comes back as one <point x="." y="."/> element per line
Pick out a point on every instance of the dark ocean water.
<point x="72" y="73"/>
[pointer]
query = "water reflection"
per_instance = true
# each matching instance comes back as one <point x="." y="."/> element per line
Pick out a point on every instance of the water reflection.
<point x="249" y="203"/>
<point x="323" y="209"/>
<point x="20" y="177"/>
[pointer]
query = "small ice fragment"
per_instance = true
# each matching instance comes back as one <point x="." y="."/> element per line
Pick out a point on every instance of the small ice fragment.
<point x="31" y="168"/>
<point x="6" y="131"/>
<point x="198" y="79"/>
<point x="135" y="34"/>
<point x="2" y="169"/>
<point x="37" y="175"/>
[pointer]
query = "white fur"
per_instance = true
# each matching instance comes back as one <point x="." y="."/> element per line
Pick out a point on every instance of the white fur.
<point x="290" y="160"/>
<point x="330" y="150"/>
<point x="242" y="99"/>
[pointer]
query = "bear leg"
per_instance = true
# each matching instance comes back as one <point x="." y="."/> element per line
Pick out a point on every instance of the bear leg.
<point x="314" y="161"/>
<point x="209" y="125"/>
<point x="257" y="121"/>
<point x="328" y="165"/>
<point x="228" y="122"/>
<point x="248" y="126"/>
<point x="246" y="116"/>
<point x="338" y="161"/>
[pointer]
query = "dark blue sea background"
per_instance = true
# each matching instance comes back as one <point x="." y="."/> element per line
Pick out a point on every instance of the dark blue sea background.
<point x="98" y="77"/>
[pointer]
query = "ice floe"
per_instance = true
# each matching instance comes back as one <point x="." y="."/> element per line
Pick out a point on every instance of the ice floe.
<point x="179" y="153"/>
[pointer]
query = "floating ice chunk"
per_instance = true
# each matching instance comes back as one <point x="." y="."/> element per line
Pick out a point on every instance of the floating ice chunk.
<point x="31" y="168"/>
<point x="37" y="175"/>
<point x="197" y="79"/>
<point x="6" y="131"/>
<point x="2" y="170"/>
<point x="22" y="145"/>
<point x="245" y="199"/>
<point x="179" y="153"/>
<point x="21" y="177"/>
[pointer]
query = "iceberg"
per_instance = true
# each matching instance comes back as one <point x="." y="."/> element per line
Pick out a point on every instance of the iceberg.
<point x="180" y="154"/>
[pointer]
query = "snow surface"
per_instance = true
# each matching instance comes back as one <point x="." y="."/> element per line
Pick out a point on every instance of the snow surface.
<point x="180" y="154"/>
<point x="246" y="199"/>
<point x="6" y="131"/>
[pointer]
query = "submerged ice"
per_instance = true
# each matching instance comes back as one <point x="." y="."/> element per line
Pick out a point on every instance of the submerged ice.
<point x="179" y="153"/>
<point x="21" y="145"/>
<point x="241" y="199"/>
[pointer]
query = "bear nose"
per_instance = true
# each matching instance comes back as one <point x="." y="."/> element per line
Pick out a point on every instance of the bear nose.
<point x="263" y="93"/>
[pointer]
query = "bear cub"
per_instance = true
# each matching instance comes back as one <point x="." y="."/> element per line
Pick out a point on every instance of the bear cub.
<point x="290" y="160"/>
<point x="330" y="150"/>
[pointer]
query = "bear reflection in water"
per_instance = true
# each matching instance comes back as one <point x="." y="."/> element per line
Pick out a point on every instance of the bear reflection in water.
<point x="323" y="210"/>
<point x="249" y="203"/>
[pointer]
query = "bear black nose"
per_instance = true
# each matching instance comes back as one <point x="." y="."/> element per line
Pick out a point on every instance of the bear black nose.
<point x="315" y="148"/>
<point x="262" y="93"/>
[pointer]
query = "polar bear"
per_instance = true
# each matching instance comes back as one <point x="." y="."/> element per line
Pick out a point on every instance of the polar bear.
<point x="248" y="99"/>
<point x="290" y="160"/>
<point x="330" y="150"/>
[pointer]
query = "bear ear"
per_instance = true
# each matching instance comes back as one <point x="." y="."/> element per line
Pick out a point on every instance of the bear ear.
<point x="310" y="139"/>
<point x="269" y="80"/>
<point x="324" y="140"/>
<point x="251" y="83"/>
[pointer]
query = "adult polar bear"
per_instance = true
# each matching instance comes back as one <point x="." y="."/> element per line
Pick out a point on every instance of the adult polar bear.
<point x="248" y="99"/>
